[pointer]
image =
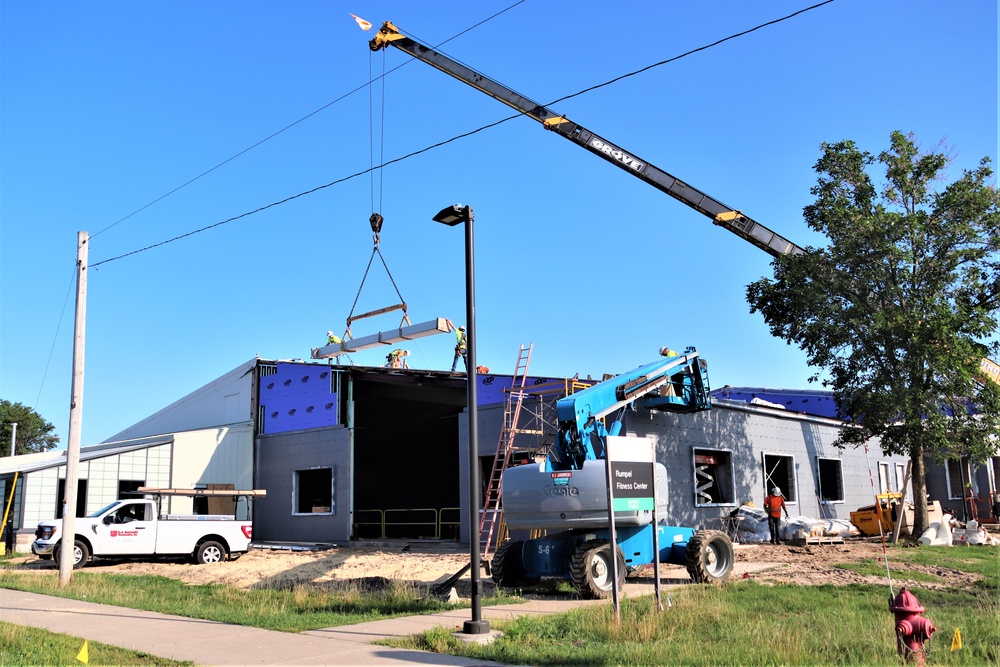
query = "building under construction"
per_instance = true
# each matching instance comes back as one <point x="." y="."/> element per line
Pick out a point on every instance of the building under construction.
<point x="354" y="452"/>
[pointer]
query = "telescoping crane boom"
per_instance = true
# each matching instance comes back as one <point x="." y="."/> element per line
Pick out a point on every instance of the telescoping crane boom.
<point x="724" y="216"/>
<point x="735" y="221"/>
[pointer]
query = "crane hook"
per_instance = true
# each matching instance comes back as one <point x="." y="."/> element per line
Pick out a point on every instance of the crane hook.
<point x="376" y="223"/>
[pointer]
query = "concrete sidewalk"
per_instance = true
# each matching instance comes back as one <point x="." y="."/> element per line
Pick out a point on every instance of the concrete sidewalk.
<point x="212" y="643"/>
<point x="205" y="642"/>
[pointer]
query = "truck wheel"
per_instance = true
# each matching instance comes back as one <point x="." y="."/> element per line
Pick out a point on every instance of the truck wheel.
<point x="508" y="566"/>
<point x="210" y="552"/>
<point x="590" y="569"/>
<point x="81" y="554"/>
<point x="709" y="557"/>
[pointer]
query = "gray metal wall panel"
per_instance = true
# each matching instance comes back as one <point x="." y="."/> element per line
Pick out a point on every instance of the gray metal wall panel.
<point x="748" y="434"/>
<point x="278" y="457"/>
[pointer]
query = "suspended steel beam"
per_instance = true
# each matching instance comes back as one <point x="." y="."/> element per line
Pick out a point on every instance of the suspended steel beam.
<point x="382" y="338"/>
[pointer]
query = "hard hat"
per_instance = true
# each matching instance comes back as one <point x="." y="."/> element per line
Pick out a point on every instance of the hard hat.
<point x="329" y="333"/>
<point x="776" y="491"/>
<point x="461" y="328"/>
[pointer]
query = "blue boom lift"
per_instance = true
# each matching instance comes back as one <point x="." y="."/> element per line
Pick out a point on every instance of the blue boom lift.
<point x="566" y="495"/>
<point x="568" y="492"/>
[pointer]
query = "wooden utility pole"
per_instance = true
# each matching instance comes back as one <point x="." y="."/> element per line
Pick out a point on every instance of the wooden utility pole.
<point x="75" y="416"/>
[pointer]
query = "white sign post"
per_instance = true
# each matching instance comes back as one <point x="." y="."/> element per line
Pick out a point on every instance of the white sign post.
<point x="631" y="470"/>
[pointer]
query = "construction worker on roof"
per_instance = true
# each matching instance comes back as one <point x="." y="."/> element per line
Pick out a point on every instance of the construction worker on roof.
<point x="774" y="503"/>
<point x="461" y="346"/>
<point x="397" y="359"/>
<point x="669" y="389"/>
<point x="331" y="338"/>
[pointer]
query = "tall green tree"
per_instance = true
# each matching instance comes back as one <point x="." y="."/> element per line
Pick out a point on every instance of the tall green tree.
<point x="902" y="305"/>
<point x="34" y="434"/>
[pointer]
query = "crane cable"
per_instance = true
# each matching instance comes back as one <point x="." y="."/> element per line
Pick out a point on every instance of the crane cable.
<point x="376" y="218"/>
<point x="373" y="166"/>
<point x="426" y="149"/>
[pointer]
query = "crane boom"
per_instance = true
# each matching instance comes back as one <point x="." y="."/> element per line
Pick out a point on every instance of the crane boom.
<point x="725" y="216"/>
<point x="722" y="215"/>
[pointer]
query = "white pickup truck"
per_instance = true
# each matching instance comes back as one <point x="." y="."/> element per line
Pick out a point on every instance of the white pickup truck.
<point x="133" y="528"/>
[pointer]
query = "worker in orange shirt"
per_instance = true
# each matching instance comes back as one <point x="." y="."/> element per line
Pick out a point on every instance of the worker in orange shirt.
<point x="774" y="505"/>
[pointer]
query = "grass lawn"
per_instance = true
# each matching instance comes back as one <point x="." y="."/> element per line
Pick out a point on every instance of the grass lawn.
<point x="20" y="645"/>
<point x="289" y="610"/>
<point x="739" y="623"/>
<point x="745" y="623"/>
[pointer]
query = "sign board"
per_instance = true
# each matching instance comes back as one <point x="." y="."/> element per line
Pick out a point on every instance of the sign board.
<point x="631" y="473"/>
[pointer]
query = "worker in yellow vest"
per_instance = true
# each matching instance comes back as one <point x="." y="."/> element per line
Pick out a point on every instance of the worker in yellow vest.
<point x="331" y="338"/>
<point x="397" y="359"/>
<point x="461" y="346"/>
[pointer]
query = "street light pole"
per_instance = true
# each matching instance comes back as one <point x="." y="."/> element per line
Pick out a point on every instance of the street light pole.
<point x="452" y="216"/>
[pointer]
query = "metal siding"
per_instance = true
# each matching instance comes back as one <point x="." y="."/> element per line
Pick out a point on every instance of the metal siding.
<point x="748" y="434"/>
<point x="102" y="475"/>
<point x="203" y="408"/>
<point x="222" y="455"/>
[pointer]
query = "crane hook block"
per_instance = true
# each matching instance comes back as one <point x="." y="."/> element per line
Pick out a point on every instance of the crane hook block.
<point x="376" y="222"/>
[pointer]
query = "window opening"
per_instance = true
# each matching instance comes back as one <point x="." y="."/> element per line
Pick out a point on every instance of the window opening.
<point x="713" y="477"/>
<point x="900" y="477"/>
<point x="831" y="480"/>
<point x="81" y="497"/>
<point x="128" y="488"/>
<point x="313" y="491"/>
<point x="959" y="475"/>
<point x="779" y="471"/>
<point x="883" y="478"/>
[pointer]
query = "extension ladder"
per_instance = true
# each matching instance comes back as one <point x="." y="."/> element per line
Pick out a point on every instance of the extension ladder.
<point x="491" y="522"/>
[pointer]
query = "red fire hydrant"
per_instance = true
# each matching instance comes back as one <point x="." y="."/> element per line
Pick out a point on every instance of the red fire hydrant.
<point x="912" y="629"/>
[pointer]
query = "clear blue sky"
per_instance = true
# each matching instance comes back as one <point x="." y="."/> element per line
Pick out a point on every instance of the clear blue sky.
<point x="108" y="106"/>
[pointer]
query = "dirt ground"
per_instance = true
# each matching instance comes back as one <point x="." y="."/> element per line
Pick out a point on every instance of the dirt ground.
<point x="426" y="565"/>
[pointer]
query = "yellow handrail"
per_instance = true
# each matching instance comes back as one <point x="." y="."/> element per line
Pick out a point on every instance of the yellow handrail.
<point x="433" y="522"/>
<point x="380" y="523"/>
<point x="6" y="512"/>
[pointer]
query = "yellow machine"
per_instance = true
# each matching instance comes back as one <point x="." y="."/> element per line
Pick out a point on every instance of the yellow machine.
<point x="867" y="519"/>
<point x="889" y="509"/>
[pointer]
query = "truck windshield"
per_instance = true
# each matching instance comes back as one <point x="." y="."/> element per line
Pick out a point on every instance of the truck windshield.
<point x="105" y="509"/>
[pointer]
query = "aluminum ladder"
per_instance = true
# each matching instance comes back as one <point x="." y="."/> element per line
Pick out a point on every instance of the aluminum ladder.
<point x="491" y="523"/>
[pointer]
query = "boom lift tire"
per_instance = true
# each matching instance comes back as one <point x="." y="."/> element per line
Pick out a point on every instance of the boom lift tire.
<point x="81" y="554"/>
<point x="508" y="566"/>
<point x="709" y="557"/>
<point x="590" y="569"/>
<point x="209" y="552"/>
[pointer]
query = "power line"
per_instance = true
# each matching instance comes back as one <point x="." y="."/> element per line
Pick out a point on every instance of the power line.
<point x="48" y="362"/>
<point x="460" y="136"/>
<point x="291" y="125"/>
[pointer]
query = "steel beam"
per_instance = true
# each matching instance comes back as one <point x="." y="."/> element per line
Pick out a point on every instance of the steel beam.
<point x="382" y="338"/>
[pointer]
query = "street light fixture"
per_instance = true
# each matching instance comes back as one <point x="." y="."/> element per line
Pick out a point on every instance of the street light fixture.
<point x="451" y="216"/>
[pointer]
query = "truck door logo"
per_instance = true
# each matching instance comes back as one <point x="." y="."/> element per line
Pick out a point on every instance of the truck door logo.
<point x="124" y="533"/>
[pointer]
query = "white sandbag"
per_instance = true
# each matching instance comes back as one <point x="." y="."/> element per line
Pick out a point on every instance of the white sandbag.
<point x="974" y="536"/>
<point x="938" y="534"/>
